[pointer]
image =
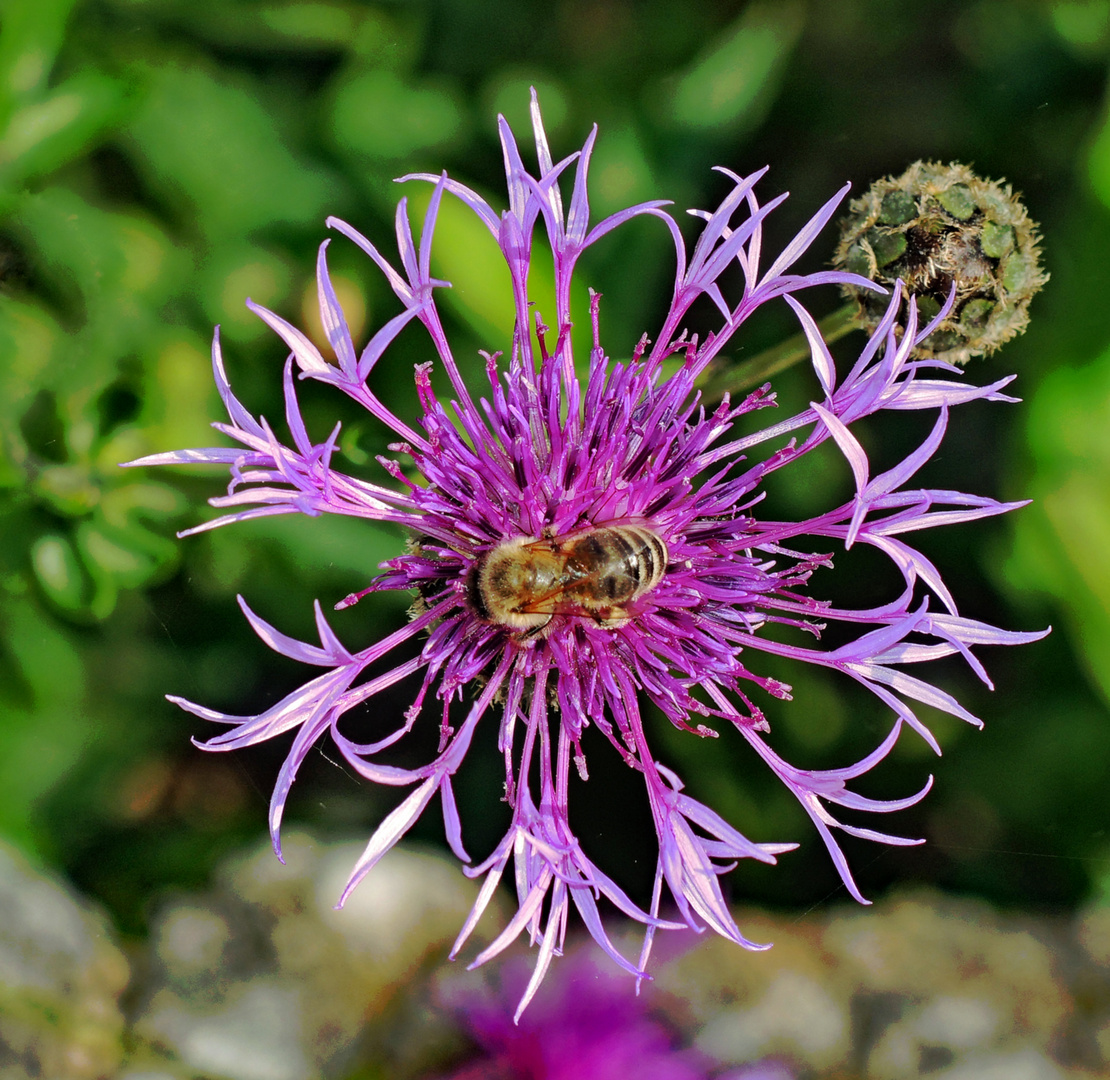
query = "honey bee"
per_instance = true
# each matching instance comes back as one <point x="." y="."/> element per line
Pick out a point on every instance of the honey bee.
<point x="523" y="582"/>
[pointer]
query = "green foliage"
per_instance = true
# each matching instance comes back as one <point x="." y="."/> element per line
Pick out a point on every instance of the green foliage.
<point x="160" y="160"/>
<point x="44" y="688"/>
<point x="378" y="115"/>
<point x="733" y="83"/>
<point x="1062" y="541"/>
<point x="211" y="146"/>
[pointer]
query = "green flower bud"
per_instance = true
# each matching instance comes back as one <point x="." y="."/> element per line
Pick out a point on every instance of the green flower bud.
<point x="935" y="225"/>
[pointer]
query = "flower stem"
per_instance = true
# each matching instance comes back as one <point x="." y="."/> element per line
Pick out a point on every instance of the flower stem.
<point x="736" y="378"/>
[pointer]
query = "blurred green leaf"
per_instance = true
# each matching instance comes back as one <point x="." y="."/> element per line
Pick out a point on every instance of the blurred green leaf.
<point x="214" y="144"/>
<point x="179" y="399"/>
<point x="112" y="555"/>
<point x="136" y="500"/>
<point x="59" y="571"/>
<point x="114" y="269"/>
<point x="33" y="33"/>
<point x="733" y="83"/>
<point x="1098" y="162"/>
<point x="232" y="273"/>
<point x="343" y="545"/>
<point x="75" y="243"/>
<point x="309" y="24"/>
<point x="379" y="115"/>
<point x="1061" y="540"/>
<point x="122" y="259"/>
<point x="69" y="490"/>
<point x="1084" y="24"/>
<point x="119" y="550"/>
<point x="48" y="664"/>
<point x="258" y="27"/>
<point x="111" y="565"/>
<point x="508" y="93"/>
<point x="620" y="172"/>
<point x="44" y="134"/>
<point x="29" y="339"/>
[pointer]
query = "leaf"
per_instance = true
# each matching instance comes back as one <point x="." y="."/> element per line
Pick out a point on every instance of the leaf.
<point x="219" y="147"/>
<point x="734" y="83"/>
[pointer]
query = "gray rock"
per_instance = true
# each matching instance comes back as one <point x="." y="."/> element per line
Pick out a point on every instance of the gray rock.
<point x="262" y="979"/>
<point x="61" y="976"/>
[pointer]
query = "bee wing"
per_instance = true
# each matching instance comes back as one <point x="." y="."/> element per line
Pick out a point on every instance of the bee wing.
<point x="547" y="604"/>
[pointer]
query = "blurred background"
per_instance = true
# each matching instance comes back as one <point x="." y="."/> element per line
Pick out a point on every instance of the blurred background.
<point x="161" y="160"/>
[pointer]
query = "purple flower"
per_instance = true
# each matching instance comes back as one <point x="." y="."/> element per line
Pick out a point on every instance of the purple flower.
<point x="582" y="1027"/>
<point x="670" y="603"/>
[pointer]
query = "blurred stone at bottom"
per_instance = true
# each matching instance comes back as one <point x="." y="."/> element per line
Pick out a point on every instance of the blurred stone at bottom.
<point x="917" y="985"/>
<point x="259" y="978"/>
<point x="262" y="979"/>
<point x="61" y="976"/>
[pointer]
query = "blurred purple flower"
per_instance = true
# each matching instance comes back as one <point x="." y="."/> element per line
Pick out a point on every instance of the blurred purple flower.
<point x="583" y="1026"/>
<point x="548" y="455"/>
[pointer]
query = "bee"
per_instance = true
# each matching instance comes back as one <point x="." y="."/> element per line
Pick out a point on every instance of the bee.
<point x="523" y="582"/>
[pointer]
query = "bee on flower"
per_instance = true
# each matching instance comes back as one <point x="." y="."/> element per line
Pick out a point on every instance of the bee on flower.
<point x="586" y="542"/>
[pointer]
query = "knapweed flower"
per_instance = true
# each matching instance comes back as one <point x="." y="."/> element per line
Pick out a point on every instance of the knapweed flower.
<point x="586" y="535"/>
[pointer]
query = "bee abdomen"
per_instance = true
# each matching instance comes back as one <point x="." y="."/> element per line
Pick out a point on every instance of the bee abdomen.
<point x="652" y="557"/>
<point x="622" y="562"/>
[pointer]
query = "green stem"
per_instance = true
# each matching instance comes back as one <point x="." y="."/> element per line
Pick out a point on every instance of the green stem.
<point x="736" y="378"/>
